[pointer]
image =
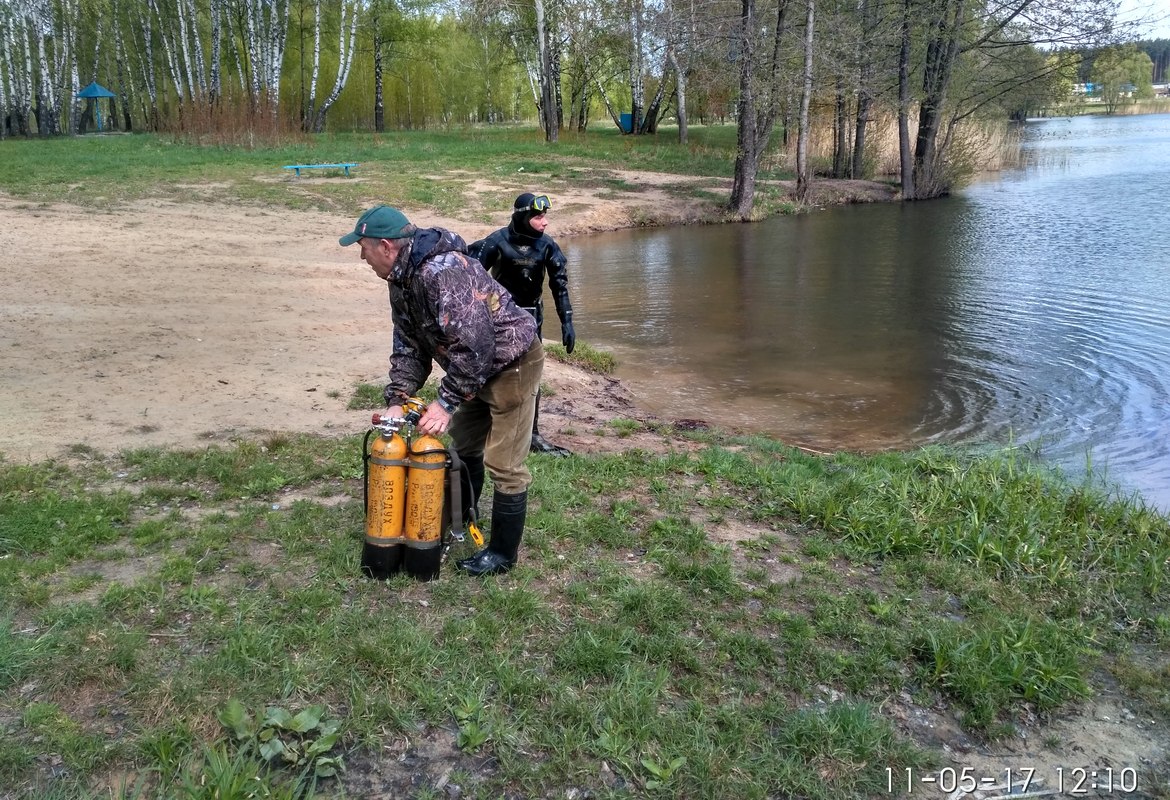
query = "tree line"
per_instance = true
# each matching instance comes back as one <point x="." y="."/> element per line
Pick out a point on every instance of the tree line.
<point x="777" y="68"/>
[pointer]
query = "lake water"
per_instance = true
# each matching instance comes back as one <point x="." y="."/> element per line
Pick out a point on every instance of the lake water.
<point x="1031" y="307"/>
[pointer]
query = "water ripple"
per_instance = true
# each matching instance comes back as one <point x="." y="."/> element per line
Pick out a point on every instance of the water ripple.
<point x="1029" y="308"/>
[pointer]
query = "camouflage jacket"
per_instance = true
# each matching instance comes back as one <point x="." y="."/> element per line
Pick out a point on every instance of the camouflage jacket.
<point x="445" y="307"/>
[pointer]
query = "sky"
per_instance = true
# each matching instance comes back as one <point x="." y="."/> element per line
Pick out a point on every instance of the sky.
<point x="1159" y="9"/>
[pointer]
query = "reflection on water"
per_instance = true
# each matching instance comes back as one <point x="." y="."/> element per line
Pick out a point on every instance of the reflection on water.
<point x="1031" y="307"/>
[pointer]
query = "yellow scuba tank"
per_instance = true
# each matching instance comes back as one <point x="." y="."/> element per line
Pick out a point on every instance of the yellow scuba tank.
<point x="385" y="495"/>
<point x="426" y="479"/>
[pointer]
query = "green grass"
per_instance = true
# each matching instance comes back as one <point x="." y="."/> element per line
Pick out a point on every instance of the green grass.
<point x="586" y="357"/>
<point x="148" y="593"/>
<point x="100" y="171"/>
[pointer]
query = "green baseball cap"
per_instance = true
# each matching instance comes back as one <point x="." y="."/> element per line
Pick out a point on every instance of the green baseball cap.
<point x="380" y="222"/>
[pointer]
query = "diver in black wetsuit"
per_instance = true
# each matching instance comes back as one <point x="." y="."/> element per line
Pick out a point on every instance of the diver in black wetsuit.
<point x="518" y="257"/>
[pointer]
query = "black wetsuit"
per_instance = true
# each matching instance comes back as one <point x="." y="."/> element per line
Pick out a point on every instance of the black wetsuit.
<point x="519" y="262"/>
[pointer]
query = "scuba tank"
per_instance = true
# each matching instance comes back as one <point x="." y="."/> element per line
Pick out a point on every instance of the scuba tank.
<point x="385" y="498"/>
<point x="426" y="477"/>
<point x="407" y="499"/>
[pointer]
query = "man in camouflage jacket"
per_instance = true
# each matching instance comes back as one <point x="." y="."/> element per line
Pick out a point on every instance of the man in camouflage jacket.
<point x="447" y="309"/>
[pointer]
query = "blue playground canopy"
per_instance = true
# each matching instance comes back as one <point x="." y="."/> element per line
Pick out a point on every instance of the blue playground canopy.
<point x="95" y="91"/>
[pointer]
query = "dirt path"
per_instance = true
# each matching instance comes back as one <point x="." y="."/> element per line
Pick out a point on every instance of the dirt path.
<point x="168" y="324"/>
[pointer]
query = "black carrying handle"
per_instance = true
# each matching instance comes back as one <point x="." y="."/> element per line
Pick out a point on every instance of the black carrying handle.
<point x="455" y="469"/>
<point x="366" y="472"/>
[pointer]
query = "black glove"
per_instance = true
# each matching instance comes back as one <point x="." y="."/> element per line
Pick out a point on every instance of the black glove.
<point x="568" y="336"/>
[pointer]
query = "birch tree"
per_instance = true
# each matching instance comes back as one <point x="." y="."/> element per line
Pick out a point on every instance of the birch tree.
<point x="165" y="29"/>
<point x="5" y="72"/>
<point x="146" y="66"/>
<point x="265" y="33"/>
<point x="637" y="65"/>
<point x="315" y="118"/>
<point x="47" y="107"/>
<point x="123" y="73"/>
<point x="214" y="87"/>
<point x="681" y="36"/>
<point x="17" y="64"/>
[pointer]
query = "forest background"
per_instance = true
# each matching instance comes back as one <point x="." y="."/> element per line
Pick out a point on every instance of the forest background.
<point x="910" y="88"/>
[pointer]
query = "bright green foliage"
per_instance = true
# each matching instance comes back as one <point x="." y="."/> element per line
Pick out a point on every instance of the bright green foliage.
<point x="297" y="740"/>
<point x="993" y="664"/>
<point x="475" y="729"/>
<point x="1123" y="74"/>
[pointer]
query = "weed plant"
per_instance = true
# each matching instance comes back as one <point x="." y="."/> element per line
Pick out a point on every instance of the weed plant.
<point x="726" y="618"/>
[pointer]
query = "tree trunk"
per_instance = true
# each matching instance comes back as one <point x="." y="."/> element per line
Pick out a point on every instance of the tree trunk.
<point x="236" y="23"/>
<point x="183" y="49"/>
<point x="747" y="155"/>
<point x="637" y="67"/>
<point x="864" y="87"/>
<point x="905" y="156"/>
<point x="548" y="113"/>
<point x="214" y="88"/>
<point x="558" y="99"/>
<point x="5" y="104"/>
<point x="650" y="118"/>
<point x="864" y="103"/>
<point x="756" y="115"/>
<point x="841" y="139"/>
<point x="309" y="112"/>
<point x="577" y="95"/>
<point x="74" y="84"/>
<point x="150" y="109"/>
<point x="48" y="123"/>
<point x="941" y="53"/>
<point x="344" y="62"/>
<point x="613" y="114"/>
<point x="20" y="83"/>
<point x="200" y="65"/>
<point x="379" y="101"/>
<point x="169" y="55"/>
<point x="120" y="60"/>
<point x="252" y="52"/>
<point x="803" y="172"/>
<point x="680" y="80"/>
<point x="278" y="36"/>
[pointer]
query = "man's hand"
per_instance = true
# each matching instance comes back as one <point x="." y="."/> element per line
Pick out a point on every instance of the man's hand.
<point x="394" y="412"/>
<point x="434" y="420"/>
<point x="568" y="336"/>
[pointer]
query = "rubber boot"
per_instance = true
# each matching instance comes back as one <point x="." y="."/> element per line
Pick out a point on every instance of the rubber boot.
<point x="508" y="513"/>
<point x="539" y="443"/>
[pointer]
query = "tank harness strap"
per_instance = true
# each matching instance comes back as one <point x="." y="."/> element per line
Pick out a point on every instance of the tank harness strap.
<point x="455" y="499"/>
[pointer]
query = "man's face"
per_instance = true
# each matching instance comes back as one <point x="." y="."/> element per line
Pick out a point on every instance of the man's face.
<point x="380" y="254"/>
<point x="538" y="223"/>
